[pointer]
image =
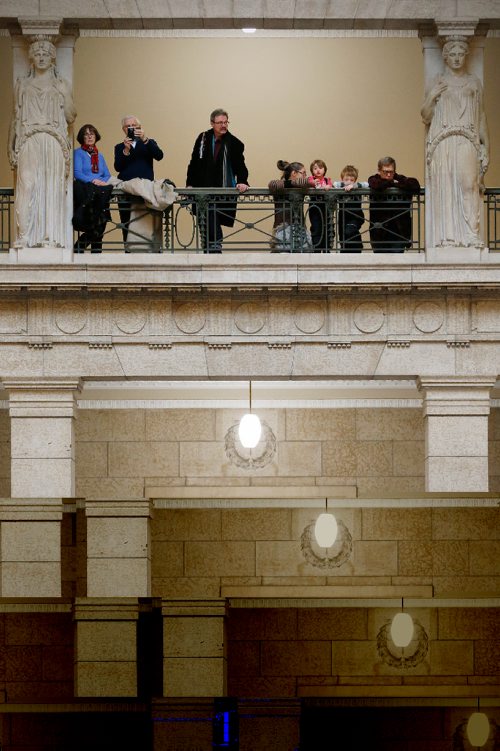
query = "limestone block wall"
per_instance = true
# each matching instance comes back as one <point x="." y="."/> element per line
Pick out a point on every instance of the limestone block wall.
<point x="440" y="552"/>
<point x="121" y="453"/>
<point x="494" y="450"/>
<point x="333" y="652"/>
<point x="37" y="656"/>
<point x="4" y="454"/>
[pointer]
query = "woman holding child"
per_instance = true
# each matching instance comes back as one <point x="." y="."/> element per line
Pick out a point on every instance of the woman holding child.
<point x="289" y="232"/>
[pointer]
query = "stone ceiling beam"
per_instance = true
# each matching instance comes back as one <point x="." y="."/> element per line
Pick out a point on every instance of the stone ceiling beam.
<point x="267" y="14"/>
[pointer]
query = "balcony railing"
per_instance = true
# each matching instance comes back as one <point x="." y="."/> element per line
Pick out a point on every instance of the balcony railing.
<point x="6" y="204"/>
<point x="186" y="226"/>
<point x="492" y="200"/>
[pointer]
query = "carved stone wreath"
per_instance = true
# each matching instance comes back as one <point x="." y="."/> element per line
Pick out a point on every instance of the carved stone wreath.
<point x="255" y="458"/>
<point x="396" y="656"/>
<point x="335" y="556"/>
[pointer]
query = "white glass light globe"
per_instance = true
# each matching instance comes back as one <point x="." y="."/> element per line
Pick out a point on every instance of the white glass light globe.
<point x="402" y="629"/>
<point x="478" y="729"/>
<point x="249" y="431"/>
<point x="325" y="530"/>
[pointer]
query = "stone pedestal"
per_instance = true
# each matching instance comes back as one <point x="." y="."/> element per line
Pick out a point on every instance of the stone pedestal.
<point x="41" y="256"/>
<point x="42" y="414"/>
<point x="455" y="256"/>
<point x="456" y="433"/>
<point x="106" y="647"/>
<point x="194" y="652"/>
<point x="118" y="548"/>
<point x="30" y="548"/>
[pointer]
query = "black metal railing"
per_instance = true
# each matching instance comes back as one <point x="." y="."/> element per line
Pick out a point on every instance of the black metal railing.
<point x="6" y="210"/>
<point x="259" y="221"/>
<point x="492" y="201"/>
<point x="359" y="221"/>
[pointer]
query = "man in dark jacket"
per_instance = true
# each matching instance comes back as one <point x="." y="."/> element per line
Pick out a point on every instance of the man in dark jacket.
<point x="390" y="214"/>
<point x="217" y="161"/>
<point x="134" y="158"/>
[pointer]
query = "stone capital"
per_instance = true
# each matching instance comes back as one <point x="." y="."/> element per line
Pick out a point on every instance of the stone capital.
<point x="33" y="397"/>
<point x="31" y="509"/>
<point x="456" y="395"/>
<point x="456" y="382"/>
<point x="41" y="384"/>
<point x="194" y="608"/>
<point x="456" y="27"/>
<point x="45" y="27"/>
<point x="106" y="609"/>
<point x="111" y="508"/>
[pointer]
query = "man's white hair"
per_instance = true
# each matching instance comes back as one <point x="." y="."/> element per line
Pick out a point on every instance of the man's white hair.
<point x="128" y="117"/>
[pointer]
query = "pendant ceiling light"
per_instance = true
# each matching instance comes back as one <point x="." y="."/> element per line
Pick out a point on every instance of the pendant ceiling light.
<point x="326" y="528"/>
<point x="250" y="428"/>
<point x="402" y="628"/>
<point x="478" y="728"/>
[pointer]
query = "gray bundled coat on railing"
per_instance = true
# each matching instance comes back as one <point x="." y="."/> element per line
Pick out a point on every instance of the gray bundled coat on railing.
<point x="157" y="194"/>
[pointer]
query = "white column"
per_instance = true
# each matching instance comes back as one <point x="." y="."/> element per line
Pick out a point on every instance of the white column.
<point x="42" y="417"/>
<point x="456" y="413"/>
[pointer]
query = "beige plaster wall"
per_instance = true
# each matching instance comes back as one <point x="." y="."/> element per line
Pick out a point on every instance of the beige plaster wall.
<point x="343" y="100"/>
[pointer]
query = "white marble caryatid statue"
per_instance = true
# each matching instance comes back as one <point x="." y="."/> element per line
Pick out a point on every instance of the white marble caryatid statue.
<point x="457" y="151"/>
<point x="40" y="150"/>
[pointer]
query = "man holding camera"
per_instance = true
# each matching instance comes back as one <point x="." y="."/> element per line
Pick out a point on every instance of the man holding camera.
<point x="217" y="161"/>
<point x="134" y="158"/>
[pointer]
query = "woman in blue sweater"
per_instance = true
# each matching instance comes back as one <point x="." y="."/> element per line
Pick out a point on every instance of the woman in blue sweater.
<point x="91" y="192"/>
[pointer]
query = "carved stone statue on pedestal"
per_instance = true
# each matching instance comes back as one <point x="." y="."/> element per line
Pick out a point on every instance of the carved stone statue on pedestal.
<point x="39" y="149"/>
<point x="457" y="151"/>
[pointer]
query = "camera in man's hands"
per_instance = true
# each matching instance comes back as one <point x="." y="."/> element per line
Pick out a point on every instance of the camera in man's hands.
<point x="131" y="133"/>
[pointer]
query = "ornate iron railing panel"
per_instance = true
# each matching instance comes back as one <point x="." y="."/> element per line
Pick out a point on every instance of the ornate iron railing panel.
<point x="6" y="211"/>
<point x="492" y="200"/>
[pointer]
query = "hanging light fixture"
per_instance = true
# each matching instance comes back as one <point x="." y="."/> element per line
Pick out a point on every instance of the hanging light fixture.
<point x="250" y="428"/>
<point x="478" y="728"/>
<point x="326" y="528"/>
<point x="402" y="628"/>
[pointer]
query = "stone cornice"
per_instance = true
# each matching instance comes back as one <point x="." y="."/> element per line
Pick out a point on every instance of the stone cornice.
<point x="253" y="272"/>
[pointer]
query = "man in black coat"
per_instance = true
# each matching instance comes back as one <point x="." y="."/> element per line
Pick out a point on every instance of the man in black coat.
<point x="217" y="161"/>
<point x="390" y="214"/>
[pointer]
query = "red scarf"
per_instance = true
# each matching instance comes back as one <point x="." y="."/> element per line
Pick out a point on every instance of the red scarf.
<point x="94" y="157"/>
